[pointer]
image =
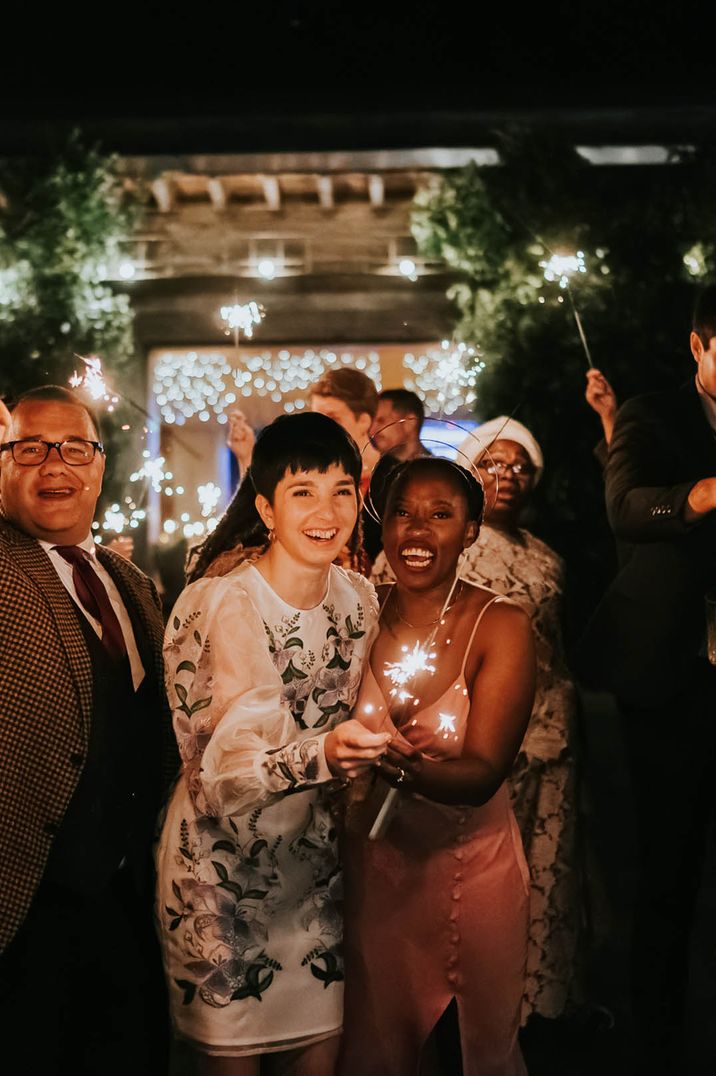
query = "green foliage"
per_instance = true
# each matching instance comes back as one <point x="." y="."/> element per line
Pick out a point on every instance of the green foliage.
<point x="493" y="226"/>
<point x="60" y="239"/>
<point x="61" y="233"/>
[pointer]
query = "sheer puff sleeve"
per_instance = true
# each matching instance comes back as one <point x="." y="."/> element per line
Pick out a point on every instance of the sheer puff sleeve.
<point x="238" y="741"/>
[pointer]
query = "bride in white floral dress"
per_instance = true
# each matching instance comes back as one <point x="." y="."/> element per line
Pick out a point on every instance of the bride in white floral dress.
<point x="263" y="665"/>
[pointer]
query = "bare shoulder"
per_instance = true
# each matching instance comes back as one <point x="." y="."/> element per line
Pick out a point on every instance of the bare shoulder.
<point x="503" y="618"/>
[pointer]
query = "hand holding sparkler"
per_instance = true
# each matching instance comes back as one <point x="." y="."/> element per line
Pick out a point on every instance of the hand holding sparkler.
<point x="601" y="398"/>
<point x="402" y="763"/>
<point x="351" y="748"/>
<point x="240" y="439"/>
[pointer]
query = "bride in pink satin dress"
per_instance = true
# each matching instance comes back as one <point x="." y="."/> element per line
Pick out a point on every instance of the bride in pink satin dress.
<point x="437" y="908"/>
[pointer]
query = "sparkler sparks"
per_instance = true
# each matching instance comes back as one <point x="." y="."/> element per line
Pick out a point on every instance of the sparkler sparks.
<point x="93" y="382"/>
<point x="561" y="267"/>
<point x="400" y="673"/>
<point x="447" y="723"/>
<point x="152" y="469"/>
<point x="241" y="317"/>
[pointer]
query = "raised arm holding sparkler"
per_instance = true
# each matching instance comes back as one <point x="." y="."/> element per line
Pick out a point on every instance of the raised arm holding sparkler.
<point x="437" y="908"/>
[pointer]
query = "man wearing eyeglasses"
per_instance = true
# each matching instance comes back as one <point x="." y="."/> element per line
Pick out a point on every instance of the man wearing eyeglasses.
<point x="84" y="739"/>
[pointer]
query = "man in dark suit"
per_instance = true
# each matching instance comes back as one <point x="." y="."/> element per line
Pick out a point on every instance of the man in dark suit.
<point x="647" y="641"/>
<point x="84" y="741"/>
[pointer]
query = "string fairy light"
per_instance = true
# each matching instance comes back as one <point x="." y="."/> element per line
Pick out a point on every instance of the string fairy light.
<point x="208" y="496"/>
<point x="191" y="383"/>
<point x="445" y="378"/>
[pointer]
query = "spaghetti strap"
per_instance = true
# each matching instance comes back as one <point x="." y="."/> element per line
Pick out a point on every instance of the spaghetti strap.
<point x="468" y="648"/>
<point x="388" y="590"/>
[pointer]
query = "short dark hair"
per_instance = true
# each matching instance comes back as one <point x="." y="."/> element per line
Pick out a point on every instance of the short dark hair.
<point x="355" y="389"/>
<point x="462" y="480"/>
<point x="704" y="318"/>
<point x="405" y="402"/>
<point x="305" y="442"/>
<point x="58" y="394"/>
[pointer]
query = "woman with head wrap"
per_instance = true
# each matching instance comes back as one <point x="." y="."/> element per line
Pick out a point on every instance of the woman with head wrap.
<point x="511" y="561"/>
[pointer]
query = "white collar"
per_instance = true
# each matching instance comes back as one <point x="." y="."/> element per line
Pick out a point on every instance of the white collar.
<point x="88" y="544"/>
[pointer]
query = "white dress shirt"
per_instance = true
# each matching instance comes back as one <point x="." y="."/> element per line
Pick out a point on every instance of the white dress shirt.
<point x="64" y="571"/>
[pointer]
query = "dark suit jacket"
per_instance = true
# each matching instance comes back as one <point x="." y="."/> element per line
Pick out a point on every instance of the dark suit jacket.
<point x="649" y="628"/>
<point x="46" y="705"/>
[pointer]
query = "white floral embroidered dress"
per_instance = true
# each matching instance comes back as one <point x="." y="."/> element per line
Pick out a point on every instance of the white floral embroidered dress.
<point x="249" y="888"/>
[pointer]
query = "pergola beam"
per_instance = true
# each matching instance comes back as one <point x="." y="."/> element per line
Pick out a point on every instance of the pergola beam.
<point x="272" y="192"/>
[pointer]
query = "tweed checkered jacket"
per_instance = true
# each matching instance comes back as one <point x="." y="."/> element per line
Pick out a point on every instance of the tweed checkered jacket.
<point x="46" y="705"/>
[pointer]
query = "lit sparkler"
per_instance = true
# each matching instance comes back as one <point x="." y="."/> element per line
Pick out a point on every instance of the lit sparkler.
<point x="241" y="317"/>
<point x="562" y="267"/>
<point x="401" y="674"/>
<point x="93" y="381"/>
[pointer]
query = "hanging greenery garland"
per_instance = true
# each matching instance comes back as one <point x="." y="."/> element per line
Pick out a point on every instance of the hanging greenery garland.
<point x="536" y="238"/>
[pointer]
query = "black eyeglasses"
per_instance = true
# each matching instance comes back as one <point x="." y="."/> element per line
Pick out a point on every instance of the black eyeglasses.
<point x="30" y="452"/>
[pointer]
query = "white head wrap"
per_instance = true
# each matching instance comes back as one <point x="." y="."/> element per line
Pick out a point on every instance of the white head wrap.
<point x="503" y="428"/>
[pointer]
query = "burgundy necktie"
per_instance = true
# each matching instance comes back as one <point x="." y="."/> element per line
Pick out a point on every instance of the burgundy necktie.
<point x="93" y="594"/>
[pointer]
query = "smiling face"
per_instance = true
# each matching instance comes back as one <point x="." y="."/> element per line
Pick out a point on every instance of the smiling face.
<point x="53" y="501"/>
<point x="312" y="514"/>
<point x="426" y="528"/>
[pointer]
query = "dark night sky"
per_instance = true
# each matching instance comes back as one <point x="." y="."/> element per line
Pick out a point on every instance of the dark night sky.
<point x="302" y="59"/>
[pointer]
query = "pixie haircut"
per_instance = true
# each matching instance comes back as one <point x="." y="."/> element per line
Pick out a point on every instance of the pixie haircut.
<point x="291" y="443"/>
<point x="306" y="442"/>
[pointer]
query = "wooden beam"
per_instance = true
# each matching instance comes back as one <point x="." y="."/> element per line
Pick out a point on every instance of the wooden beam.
<point x="376" y="191"/>
<point x="217" y="193"/>
<point x="272" y="192"/>
<point x="324" y="185"/>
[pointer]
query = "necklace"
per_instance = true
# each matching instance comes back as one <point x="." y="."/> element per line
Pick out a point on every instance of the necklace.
<point x="430" y="623"/>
